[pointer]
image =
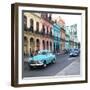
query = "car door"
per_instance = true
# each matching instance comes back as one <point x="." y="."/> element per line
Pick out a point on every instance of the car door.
<point x="47" y="58"/>
<point x="50" y="57"/>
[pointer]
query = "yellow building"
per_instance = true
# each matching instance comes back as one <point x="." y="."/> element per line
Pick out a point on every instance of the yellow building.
<point x="34" y="39"/>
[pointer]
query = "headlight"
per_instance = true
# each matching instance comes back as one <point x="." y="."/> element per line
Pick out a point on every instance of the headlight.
<point x="70" y="53"/>
<point x="40" y="62"/>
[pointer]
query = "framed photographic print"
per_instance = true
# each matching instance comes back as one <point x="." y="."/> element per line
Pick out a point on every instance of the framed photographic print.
<point x="48" y="44"/>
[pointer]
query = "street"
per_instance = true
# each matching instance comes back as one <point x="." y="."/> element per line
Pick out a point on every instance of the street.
<point x="64" y="65"/>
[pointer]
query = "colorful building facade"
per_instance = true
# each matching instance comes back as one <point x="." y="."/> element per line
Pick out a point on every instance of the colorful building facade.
<point x="37" y="34"/>
<point x="73" y="36"/>
<point x="47" y="31"/>
<point x="61" y="22"/>
<point x="32" y="34"/>
<point x="56" y="34"/>
<point x="41" y="32"/>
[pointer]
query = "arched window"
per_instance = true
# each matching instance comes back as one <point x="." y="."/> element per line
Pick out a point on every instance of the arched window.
<point x="31" y="24"/>
<point x="47" y="30"/>
<point x="38" y="44"/>
<point x="43" y="43"/>
<point x="47" y="45"/>
<point x="54" y="47"/>
<point x="51" y="46"/>
<point x="25" y="23"/>
<point x="50" y="17"/>
<point x="37" y="26"/>
<point x="51" y="31"/>
<point x="25" y="40"/>
<point x="32" y="44"/>
<point x="43" y="29"/>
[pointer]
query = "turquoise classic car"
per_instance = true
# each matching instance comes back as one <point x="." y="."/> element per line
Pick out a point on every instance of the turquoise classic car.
<point x="43" y="58"/>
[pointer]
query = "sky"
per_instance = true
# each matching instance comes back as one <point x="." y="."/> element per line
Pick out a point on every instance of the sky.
<point x="70" y="20"/>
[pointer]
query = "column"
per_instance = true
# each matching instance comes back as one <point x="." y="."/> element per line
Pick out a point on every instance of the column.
<point x="41" y="45"/>
<point x="28" y="46"/>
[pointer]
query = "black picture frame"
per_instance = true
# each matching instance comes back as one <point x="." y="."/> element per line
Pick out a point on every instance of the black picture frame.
<point x="15" y="37"/>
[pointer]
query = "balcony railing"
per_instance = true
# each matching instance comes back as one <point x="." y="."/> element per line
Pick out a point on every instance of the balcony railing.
<point x="38" y="32"/>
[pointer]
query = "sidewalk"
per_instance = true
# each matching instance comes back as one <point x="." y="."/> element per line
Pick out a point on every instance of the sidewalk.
<point x="71" y="69"/>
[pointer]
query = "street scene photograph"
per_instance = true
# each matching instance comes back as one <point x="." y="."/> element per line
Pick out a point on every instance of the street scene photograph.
<point x="51" y="44"/>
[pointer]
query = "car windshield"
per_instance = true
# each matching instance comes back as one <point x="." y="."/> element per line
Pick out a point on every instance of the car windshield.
<point x="43" y="53"/>
<point x="71" y="50"/>
<point x="76" y="49"/>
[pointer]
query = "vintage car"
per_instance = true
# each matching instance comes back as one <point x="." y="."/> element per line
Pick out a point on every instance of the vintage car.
<point x="43" y="58"/>
<point x="74" y="52"/>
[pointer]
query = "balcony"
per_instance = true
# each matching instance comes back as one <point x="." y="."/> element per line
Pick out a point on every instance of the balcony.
<point x="37" y="32"/>
<point x="42" y="33"/>
<point x="31" y="29"/>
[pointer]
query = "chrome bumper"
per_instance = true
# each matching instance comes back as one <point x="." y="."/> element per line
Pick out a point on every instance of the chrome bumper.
<point x="35" y="65"/>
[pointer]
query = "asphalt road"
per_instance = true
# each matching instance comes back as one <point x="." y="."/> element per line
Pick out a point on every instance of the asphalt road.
<point x="62" y="61"/>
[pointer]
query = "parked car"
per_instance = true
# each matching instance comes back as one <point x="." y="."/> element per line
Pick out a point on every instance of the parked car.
<point x="43" y="58"/>
<point x="77" y="51"/>
<point x="74" y="52"/>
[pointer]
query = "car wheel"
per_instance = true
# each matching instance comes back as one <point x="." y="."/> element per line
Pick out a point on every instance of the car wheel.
<point x="44" y="64"/>
<point x="53" y="61"/>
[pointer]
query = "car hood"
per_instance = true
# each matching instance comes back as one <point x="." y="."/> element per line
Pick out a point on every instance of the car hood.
<point x="73" y="53"/>
<point x="38" y="57"/>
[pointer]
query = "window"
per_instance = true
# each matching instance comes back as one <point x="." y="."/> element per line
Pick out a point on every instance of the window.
<point x="25" y="40"/>
<point x="25" y="23"/>
<point x="47" y="31"/>
<point x="37" y="26"/>
<point x="31" y="22"/>
<point x="47" y="45"/>
<point x="51" y="46"/>
<point x="31" y="25"/>
<point x="43" y="42"/>
<point x="38" y="44"/>
<point x="43" y="29"/>
<point x="50" y="31"/>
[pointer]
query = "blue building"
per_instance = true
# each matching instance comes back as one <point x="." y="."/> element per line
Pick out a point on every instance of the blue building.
<point x="56" y="34"/>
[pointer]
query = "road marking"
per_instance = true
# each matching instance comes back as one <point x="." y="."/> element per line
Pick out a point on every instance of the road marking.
<point x="71" y="69"/>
